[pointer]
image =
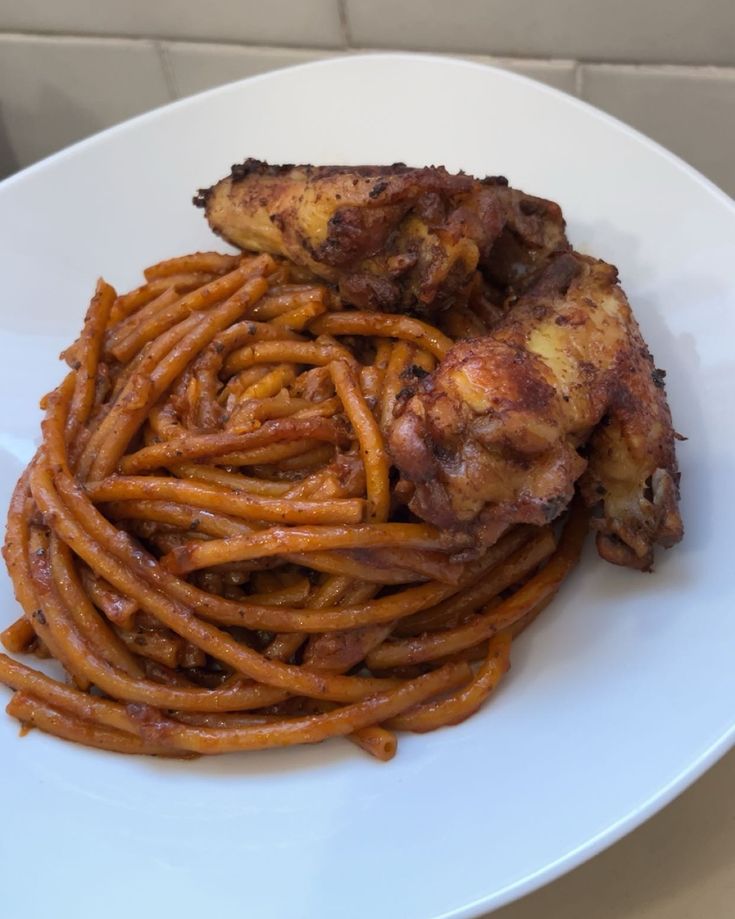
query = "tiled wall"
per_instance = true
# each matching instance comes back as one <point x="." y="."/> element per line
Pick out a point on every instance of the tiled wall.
<point x="71" y="67"/>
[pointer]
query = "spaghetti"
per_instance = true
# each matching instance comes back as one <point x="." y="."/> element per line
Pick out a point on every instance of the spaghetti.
<point x="208" y="542"/>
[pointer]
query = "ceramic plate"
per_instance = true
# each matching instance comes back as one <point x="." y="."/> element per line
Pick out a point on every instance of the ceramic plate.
<point x="620" y="695"/>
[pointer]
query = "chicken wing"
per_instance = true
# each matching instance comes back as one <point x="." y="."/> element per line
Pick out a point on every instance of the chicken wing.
<point x="563" y="390"/>
<point x="391" y="238"/>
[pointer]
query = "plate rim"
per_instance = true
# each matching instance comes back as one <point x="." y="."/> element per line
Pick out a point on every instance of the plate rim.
<point x="453" y="59"/>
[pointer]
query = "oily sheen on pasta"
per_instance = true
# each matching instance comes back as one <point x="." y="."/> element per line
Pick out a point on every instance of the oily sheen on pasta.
<point x="211" y="541"/>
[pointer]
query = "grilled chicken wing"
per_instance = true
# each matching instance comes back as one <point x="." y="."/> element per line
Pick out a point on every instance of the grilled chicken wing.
<point x="392" y="238"/>
<point x="564" y="389"/>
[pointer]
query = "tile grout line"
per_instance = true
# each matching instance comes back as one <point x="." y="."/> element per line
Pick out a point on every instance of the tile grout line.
<point x="578" y="80"/>
<point x="168" y="71"/>
<point x="344" y="24"/>
<point x="347" y="46"/>
<point x="134" y="38"/>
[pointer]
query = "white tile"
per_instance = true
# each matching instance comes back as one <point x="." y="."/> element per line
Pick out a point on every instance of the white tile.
<point x="560" y="74"/>
<point x="291" y="22"/>
<point x="195" y="67"/>
<point x="679" y="865"/>
<point x="690" y="110"/>
<point x="675" y="31"/>
<point x="59" y="90"/>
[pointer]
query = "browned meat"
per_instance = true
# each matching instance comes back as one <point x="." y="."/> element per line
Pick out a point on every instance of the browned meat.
<point x="564" y="389"/>
<point x="392" y="238"/>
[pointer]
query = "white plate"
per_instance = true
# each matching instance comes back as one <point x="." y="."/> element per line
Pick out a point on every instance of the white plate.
<point x="620" y="695"/>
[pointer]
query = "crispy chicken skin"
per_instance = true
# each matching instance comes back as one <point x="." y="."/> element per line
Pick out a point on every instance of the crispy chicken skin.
<point x="562" y="391"/>
<point x="561" y="394"/>
<point x="392" y="238"/>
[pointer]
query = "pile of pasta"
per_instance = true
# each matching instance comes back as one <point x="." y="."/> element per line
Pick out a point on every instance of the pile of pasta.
<point x="212" y="543"/>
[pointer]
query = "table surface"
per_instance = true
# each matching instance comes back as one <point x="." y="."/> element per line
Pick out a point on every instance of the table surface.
<point x="679" y="865"/>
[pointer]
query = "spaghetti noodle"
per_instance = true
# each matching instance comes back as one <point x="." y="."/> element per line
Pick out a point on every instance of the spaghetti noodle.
<point x="208" y="542"/>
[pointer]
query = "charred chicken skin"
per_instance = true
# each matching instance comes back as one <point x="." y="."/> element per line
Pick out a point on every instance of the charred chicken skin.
<point x="562" y="391"/>
<point x="392" y="238"/>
